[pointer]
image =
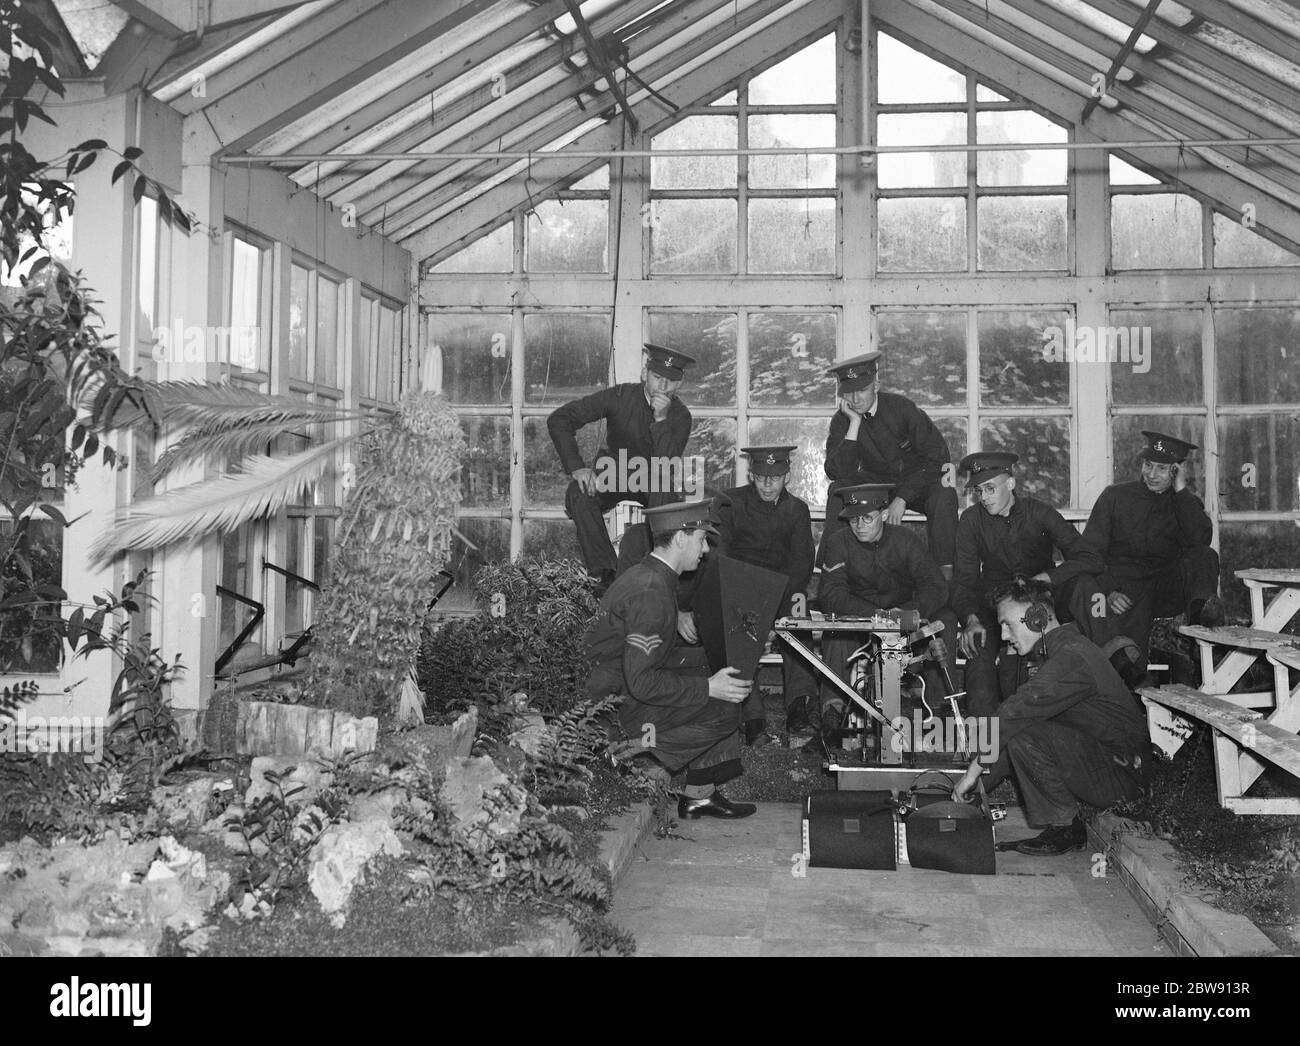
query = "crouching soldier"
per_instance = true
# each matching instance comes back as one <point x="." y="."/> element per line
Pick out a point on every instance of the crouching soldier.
<point x="684" y="718"/>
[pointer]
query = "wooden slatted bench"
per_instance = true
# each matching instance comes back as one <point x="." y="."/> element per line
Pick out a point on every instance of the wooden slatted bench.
<point x="1244" y="741"/>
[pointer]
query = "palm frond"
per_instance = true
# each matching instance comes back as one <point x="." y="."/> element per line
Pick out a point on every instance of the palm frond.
<point x="217" y="407"/>
<point x="223" y="442"/>
<point x="262" y="488"/>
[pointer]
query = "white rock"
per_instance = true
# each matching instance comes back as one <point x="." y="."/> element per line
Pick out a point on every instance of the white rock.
<point x="158" y="871"/>
<point x="337" y="863"/>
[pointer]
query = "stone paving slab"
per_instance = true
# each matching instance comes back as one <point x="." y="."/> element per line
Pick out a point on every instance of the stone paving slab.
<point x="727" y="888"/>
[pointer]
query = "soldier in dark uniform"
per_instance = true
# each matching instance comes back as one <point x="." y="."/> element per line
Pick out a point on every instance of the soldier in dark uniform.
<point x="1009" y="534"/>
<point x="1072" y="733"/>
<point x="763" y="524"/>
<point x="683" y="717"/>
<point x="1155" y="538"/>
<point x="869" y="566"/>
<point x="647" y="427"/>
<point x="880" y="437"/>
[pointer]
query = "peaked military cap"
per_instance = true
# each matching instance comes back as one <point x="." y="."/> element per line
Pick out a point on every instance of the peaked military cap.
<point x="857" y="372"/>
<point x="769" y="461"/>
<point x="667" y="362"/>
<point x="1169" y="450"/>
<point x="864" y="498"/>
<point x="986" y="464"/>
<point x="682" y="515"/>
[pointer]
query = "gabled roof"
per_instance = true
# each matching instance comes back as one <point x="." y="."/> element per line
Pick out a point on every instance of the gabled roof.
<point x="381" y="79"/>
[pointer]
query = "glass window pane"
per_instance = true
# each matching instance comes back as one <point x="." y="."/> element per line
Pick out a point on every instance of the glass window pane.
<point x="1164" y="353"/>
<point x="245" y="338"/>
<point x="693" y="236"/>
<point x="925" y="355"/>
<point x="1018" y="233"/>
<point x="921" y="170"/>
<point x="597" y="179"/>
<point x="1122" y="173"/>
<point x="565" y="356"/>
<point x="322" y="531"/>
<point x="1014" y="370"/>
<point x="1155" y="231"/>
<point x="298" y="280"/>
<point x="1019" y="166"/>
<point x="714" y="439"/>
<point x="366" y="345"/>
<point x="387" y="351"/>
<point x="568" y="236"/>
<point x="695" y="172"/>
<point x="475" y="356"/>
<point x="788" y="356"/>
<point x="1127" y="442"/>
<point x="551" y="539"/>
<point x="807" y="77"/>
<point x="792" y="235"/>
<point x="1273" y="543"/>
<point x="494" y="252"/>
<point x="1258" y="355"/>
<point x="922" y="235"/>
<point x="807" y="473"/>
<point x="956" y="432"/>
<point x="907" y="75"/>
<point x="1259" y="463"/>
<point x="1235" y="245"/>
<point x="148" y="278"/>
<point x="730" y="98"/>
<point x="484" y="541"/>
<point x="295" y="561"/>
<point x="544" y="479"/>
<point x="1044" y="448"/>
<point x="25" y="646"/>
<point x="792" y="131"/>
<point x="328" y="322"/>
<point x="984" y="93"/>
<point x="711" y="338"/>
<point x="485" y="468"/>
<point x="240" y="573"/>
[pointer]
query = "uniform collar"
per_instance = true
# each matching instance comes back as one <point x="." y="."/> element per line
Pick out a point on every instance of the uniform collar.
<point x="1058" y="636"/>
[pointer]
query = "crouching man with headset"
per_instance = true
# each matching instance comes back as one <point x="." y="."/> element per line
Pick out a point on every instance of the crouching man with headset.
<point x="1071" y="733"/>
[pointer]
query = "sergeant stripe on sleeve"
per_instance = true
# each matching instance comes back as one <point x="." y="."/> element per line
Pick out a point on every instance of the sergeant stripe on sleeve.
<point x="645" y="643"/>
<point x="837" y="566"/>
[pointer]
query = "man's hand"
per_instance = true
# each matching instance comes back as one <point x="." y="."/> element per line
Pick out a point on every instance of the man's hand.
<point x="855" y="420"/>
<point x="1118" y="603"/>
<point x="1042" y="575"/>
<point x="962" y="789"/>
<point x="659" y="403"/>
<point x="686" y="626"/>
<point x="586" y="480"/>
<point x="973" y="637"/>
<point x="1180" y="480"/>
<point x="724" y="685"/>
<point x="894" y="513"/>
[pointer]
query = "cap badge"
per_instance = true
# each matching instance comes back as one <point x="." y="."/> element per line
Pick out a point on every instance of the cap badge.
<point x="771" y="459"/>
<point x="851" y="373"/>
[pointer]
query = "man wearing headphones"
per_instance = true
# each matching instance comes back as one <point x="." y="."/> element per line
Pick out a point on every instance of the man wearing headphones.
<point x="1071" y="733"/>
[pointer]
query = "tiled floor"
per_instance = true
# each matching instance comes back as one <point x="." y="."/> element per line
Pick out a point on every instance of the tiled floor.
<point x="728" y="888"/>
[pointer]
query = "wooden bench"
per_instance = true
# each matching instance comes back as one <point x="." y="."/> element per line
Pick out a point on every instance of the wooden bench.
<point x="1244" y="742"/>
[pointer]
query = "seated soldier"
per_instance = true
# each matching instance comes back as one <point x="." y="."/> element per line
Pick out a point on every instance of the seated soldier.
<point x="880" y="437"/>
<point x="1155" y="538"/>
<point x="683" y="718"/>
<point x="872" y="566"/>
<point x="646" y="430"/>
<point x="1071" y="733"/>
<point x="1008" y="534"/>
<point x="763" y="524"/>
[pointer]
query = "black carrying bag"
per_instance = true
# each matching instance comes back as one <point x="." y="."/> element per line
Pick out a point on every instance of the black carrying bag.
<point x="849" y="830"/>
<point x="944" y="835"/>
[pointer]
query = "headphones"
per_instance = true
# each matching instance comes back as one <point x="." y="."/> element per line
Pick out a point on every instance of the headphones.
<point x="1037" y="614"/>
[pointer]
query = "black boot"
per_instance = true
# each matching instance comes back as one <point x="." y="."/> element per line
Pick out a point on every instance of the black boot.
<point x="1056" y="840"/>
<point x="799" y="716"/>
<point x="1135" y="677"/>
<point x="755" y="732"/>
<point x="1208" y="613"/>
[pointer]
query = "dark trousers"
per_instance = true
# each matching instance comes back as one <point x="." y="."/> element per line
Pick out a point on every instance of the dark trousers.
<point x="704" y="738"/>
<point x="992" y="673"/>
<point x="838" y="646"/>
<point x="939" y="503"/>
<point x="1057" y="766"/>
<point x="1161" y="591"/>
<point x="587" y="512"/>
